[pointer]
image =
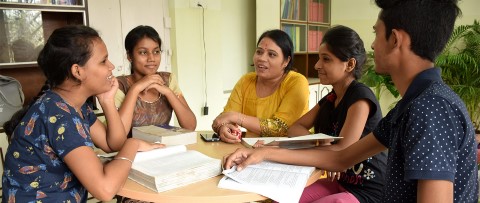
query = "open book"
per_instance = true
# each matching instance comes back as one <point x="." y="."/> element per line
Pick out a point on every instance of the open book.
<point x="172" y="167"/>
<point x="305" y="141"/>
<point x="165" y="134"/>
<point x="280" y="182"/>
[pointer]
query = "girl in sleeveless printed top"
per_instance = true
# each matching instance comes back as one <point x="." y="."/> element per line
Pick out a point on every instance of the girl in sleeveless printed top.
<point x="146" y="96"/>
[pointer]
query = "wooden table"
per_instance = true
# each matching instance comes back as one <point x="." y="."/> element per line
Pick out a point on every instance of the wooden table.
<point x="203" y="191"/>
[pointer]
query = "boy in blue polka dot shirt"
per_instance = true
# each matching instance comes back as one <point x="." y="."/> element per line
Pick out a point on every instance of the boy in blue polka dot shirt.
<point x="429" y="134"/>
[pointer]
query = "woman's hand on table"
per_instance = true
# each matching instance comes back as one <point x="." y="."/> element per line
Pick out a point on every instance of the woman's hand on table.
<point x="229" y="133"/>
<point x="223" y="119"/>
<point x="147" y="146"/>
<point x="243" y="157"/>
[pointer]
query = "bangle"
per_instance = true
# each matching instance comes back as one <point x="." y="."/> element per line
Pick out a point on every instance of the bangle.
<point x="241" y="120"/>
<point x="220" y="126"/>
<point x="123" y="158"/>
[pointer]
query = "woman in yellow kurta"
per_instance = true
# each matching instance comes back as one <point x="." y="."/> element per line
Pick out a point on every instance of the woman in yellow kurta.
<point x="267" y="101"/>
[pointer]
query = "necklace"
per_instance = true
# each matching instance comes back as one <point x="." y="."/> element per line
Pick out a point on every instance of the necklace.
<point x="64" y="100"/>
<point x="75" y="108"/>
<point x="150" y="102"/>
<point x="131" y="82"/>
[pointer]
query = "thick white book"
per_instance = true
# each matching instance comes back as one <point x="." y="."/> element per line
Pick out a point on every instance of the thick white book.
<point x="299" y="142"/>
<point x="172" y="167"/>
<point x="280" y="182"/>
<point x="165" y="134"/>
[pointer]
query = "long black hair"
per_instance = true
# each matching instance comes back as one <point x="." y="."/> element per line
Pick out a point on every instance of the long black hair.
<point x="66" y="46"/>
<point x="138" y="33"/>
<point x="345" y="44"/>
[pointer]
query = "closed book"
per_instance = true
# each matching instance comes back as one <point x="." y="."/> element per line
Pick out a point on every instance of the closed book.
<point x="165" y="134"/>
<point x="172" y="167"/>
<point x="314" y="15"/>
<point x="320" y="12"/>
<point x="312" y="41"/>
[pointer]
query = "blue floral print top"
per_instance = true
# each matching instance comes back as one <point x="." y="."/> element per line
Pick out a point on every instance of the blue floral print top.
<point x="35" y="170"/>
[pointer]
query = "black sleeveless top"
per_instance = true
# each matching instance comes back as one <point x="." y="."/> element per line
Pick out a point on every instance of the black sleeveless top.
<point x="365" y="180"/>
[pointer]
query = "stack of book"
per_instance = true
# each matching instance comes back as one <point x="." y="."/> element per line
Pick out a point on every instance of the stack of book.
<point x="172" y="167"/>
<point x="165" y="134"/>
<point x="314" y="40"/>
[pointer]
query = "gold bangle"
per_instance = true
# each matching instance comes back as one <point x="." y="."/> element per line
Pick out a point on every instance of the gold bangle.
<point x="123" y="158"/>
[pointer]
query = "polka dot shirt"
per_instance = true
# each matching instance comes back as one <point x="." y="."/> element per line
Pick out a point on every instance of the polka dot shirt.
<point x="429" y="136"/>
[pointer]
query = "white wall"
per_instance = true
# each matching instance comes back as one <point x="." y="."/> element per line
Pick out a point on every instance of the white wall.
<point x="113" y="19"/>
<point x="230" y="43"/>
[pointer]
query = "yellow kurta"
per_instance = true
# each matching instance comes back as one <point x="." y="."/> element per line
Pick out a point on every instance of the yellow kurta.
<point x="286" y="105"/>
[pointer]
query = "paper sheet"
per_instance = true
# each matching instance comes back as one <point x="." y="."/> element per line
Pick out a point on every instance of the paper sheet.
<point x="280" y="182"/>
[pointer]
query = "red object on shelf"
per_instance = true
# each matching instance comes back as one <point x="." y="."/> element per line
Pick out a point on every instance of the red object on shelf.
<point x="314" y="11"/>
<point x="320" y="12"/>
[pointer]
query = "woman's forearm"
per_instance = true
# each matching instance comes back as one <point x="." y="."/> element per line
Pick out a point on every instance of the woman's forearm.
<point x="115" y="135"/>
<point x="184" y="114"/>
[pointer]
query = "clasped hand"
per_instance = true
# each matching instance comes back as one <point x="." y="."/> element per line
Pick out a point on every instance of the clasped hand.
<point x="154" y="81"/>
<point x="226" y="129"/>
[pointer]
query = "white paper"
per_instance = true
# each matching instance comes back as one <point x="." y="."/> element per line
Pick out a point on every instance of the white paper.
<point x="153" y="154"/>
<point x="299" y="142"/>
<point x="280" y="182"/>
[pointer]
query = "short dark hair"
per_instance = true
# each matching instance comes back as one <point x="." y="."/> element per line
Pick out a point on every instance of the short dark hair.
<point x="66" y="46"/>
<point x="345" y="44"/>
<point x="428" y="22"/>
<point x="138" y="33"/>
<point x="282" y="40"/>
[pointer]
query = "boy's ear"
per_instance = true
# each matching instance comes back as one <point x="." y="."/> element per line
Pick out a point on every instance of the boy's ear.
<point x="397" y="37"/>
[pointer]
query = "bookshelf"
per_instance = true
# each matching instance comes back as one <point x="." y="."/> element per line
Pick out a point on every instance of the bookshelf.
<point x="25" y="25"/>
<point x="305" y="21"/>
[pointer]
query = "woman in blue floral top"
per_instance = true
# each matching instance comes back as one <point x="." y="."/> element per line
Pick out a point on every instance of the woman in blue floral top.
<point x="50" y="157"/>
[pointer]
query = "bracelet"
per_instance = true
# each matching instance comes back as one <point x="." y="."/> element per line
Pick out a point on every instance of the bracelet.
<point x="220" y="126"/>
<point x="241" y="120"/>
<point x="123" y="158"/>
<point x="241" y="123"/>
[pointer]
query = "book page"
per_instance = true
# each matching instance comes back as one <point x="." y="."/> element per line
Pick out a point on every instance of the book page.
<point x="165" y="165"/>
<point x="156" y="153"/>
<point x="300" y="142"/>
<point x="318" y="136"/>
<point x="281" y="182"/>
<point x="250" y="141"/>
